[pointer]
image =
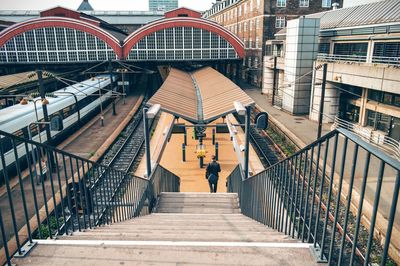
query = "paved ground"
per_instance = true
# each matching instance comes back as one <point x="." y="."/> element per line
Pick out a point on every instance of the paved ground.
<point x="192" y="176"/>
<point x="306" y="132"/>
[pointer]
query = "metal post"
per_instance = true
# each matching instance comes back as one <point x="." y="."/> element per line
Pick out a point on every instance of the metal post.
<point x="101" y="106"/>
<point x="112" y="87"/>
<point x="201" y="158"/>
<point x="147" y="142"/>
<point x="123" y="84"/>
<point x="184" y="136"/>
<point x="321" y="104"/>
<point x="183" y="152"/>
<point x="216" y="151"/>
<point x="213" y="136"/>
<point x="42" y="92"/>
<point x="274" y="81"/>
<point x="246" y="151"/>
<point x="33" y="153"/>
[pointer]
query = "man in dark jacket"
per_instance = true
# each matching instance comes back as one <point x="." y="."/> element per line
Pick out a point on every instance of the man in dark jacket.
<point x="212" y="174"/>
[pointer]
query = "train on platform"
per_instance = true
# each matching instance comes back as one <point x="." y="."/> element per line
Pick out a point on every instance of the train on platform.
<point x="71" y="104"/>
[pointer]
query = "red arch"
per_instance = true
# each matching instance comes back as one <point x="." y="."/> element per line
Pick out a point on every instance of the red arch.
<point x="132" y="39"/>
<point x="80" y="25"/>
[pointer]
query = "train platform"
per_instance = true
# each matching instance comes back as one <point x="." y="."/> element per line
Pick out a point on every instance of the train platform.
<point x="192" y="176"/>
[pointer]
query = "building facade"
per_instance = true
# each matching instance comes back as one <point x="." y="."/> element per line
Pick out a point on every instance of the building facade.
<point x="162" y="5"/>
<point x="363" y="75"/>
<point x="256" y="21"/>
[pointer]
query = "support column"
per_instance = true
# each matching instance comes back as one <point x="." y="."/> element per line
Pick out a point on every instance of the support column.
<point x="268" y="82"/>
<point x="363" y="108"/>
<point x="331" y="102"/>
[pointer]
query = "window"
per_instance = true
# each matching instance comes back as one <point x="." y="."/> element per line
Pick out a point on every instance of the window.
<point x="251" y="5"/>
<point x="255" y="62"/>
<point x="251" y="25"/>
<point x="257" y="40"/>
<point x="358" y="50"/>
<point x="245" y="43"/>
<point x="304" y="3"/>
<point x="245" y="27"/>
<point x="251" y="43"/>
<point x="324" y="48"/>
<point x="249" y="62"/>
<point x="240" y="10"/>
<point x="245" y="8"/>
<point x="257" y="21"/>
<point x="258" y="3"/>
<point x="326" y="3"/>
<point x="280" y="22"/>
<point x="281" y="3"/>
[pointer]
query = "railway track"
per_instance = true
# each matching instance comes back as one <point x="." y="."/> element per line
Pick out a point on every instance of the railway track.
<point x="264" y="146"/>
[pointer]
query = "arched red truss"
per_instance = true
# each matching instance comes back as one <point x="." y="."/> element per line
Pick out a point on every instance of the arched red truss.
<point x="45" y="22"/>
<point x="199" y="23"/>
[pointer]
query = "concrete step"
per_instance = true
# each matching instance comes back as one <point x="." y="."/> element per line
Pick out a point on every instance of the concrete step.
<point x="170" y="254"/>
<point x="197" y="210"/>
<point x="197" y="195"/>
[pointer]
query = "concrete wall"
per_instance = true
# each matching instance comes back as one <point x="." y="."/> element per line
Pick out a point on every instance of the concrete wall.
<point x="371" y="76"/>
<point x="301" y="51"/>
<point x="331" y="102"/>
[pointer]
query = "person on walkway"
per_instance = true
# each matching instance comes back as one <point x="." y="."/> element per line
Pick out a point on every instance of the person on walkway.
<point x="212" y="174"/>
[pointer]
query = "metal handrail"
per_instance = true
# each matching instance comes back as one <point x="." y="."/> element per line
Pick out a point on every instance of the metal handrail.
<point x="304" y="196"/>
<point x="336" y="57"/>
<point x="69" y="204"/>
<point x="390" y="145"/>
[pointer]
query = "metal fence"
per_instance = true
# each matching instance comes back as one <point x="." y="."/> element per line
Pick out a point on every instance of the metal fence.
<point x="56" y="193"/>
<point x="330" y="194"/>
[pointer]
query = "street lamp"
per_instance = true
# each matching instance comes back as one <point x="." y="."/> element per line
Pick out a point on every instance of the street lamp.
<point x="149" y="114"/>
<point x="242" y="110"/>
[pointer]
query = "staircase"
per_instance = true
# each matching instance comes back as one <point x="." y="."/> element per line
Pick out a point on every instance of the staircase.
<point x="187" y="228"/>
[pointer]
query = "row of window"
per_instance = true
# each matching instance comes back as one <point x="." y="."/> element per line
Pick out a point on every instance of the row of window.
<point x="252" y="62"/>
<point x="304" y="3"/>
<point x="55" y="45"/>
<point x="253" y="24"/>
<point x="242" y="9"/>
<point x="182" y="43"/>
<point x="251" y="44"/>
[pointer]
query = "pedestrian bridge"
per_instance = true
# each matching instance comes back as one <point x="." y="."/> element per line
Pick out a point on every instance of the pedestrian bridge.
<point x="65" y="36"/>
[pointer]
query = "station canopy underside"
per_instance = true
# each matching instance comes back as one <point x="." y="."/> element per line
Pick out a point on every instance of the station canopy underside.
<point x="199" y="97"/>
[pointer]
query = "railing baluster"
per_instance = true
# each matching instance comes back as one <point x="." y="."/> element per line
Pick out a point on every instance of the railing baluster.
<point x="288" y="205"/>
<point x="292" y="191"/>
<point x="374" y="212"/>
<point x="10" y="201"/>
<point x="285" y="189"/>
<point x="307" y="195"/>
<point x="61" y="195"/>
<point x="86" y="210"/>
<point x="46" y="207"/>
<point x="81" y="194"/>
<point x="321" y="191"/>
<point x="74" y="189"/>
<point x="313" y="195"/>
<point x="53" y="194"/>
<point x="353" y="170"/>
<point x="338" y="195"/>
<point x="391" y="219"/>
<point x="297" y="176"/>
<point x="32" y="181"/>
<point x="328" y="204"/>
<point x="68" y="192"/>
<point x="303" y="177"/>
<point x="4" y="239"/>
<point x="21" y="186"/>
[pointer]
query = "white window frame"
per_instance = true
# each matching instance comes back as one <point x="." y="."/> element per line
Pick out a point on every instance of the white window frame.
<point x="280" y="22"/>
<point x="240" y="10"/>
<point x="326" y="3"/>
<point x="304" y="3"/>
<point x="250" y="43"/>
<point x="245" y="26"/>
<point x="280" y="3"/>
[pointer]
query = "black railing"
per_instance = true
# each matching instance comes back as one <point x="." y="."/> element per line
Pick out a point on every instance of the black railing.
<point x="73" y="194"/>
<point x="331" y="195"/>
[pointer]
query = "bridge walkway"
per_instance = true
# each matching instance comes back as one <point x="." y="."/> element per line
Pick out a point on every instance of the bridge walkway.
<point x="187" y="228"/>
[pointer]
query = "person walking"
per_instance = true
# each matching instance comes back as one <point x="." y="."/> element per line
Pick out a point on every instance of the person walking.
<point x="212" y="174"/>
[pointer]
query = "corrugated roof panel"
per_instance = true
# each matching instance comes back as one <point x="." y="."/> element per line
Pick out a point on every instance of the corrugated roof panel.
<point x="178" y="95"/>
<point x="375" y="13"/>
<point x="218" y="93"/>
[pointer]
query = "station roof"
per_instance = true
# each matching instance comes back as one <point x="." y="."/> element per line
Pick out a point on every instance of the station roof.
<point x="10" y="84"/>
<point x="200" y="97"/>
<point x="386" y="11"/>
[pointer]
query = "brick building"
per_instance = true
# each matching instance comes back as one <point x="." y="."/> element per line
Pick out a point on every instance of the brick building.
<point x="256" y="21"/>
